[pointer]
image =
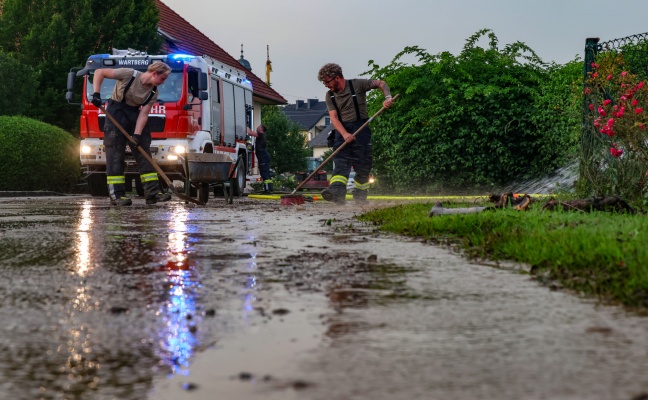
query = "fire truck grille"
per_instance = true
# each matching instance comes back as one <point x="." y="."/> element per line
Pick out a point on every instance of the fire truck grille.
<point x="156" y="123"/>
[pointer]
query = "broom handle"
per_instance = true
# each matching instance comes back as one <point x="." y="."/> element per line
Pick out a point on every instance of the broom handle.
<point x="329" y="158"/>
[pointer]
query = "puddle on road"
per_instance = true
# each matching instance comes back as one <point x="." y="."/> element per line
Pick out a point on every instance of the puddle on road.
<point x="262" y="301"/>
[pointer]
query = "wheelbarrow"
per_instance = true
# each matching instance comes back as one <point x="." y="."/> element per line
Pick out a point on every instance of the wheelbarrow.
<point x="209" y="170"/>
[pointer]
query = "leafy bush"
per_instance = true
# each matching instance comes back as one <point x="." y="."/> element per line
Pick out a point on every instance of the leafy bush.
<point x="37" y="156"/>
<point x="479" y="119"/>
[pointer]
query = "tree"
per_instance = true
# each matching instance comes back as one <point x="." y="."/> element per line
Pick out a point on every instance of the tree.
<point x="18" y="83"/>
<point x="286" y="144"/>
<point x="55" y="35"/>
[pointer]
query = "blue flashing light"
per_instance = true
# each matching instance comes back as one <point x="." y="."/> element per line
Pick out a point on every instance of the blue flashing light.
<point x="98" y="56"/>
<point x="182" y="57"/>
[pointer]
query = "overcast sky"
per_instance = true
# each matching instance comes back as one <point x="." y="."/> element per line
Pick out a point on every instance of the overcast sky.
<point x="303" y="35"/>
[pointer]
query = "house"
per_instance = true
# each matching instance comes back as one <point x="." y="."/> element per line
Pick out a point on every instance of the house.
<point x="182" y="37"/>
<point x="319" y="143"/>
<point x="312" y="117"/>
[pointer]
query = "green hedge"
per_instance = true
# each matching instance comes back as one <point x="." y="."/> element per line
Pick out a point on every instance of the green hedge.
<point x="37" y="156"/>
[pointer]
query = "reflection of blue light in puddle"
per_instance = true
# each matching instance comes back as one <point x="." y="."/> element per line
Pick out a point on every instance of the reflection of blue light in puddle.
<point x="178" y="339"/>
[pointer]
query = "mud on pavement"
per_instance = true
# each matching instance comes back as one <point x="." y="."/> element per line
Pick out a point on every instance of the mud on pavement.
<point x="260" y="300"/>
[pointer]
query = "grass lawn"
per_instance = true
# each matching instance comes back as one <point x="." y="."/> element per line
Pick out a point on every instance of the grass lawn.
<point x="601" y="254"/>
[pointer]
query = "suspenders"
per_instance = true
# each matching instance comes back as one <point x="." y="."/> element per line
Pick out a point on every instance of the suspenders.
<point x="148" y="98"/>
<point x="355" y="101"/>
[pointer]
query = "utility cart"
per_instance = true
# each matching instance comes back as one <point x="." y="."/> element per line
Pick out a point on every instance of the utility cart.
<point x="210" y="171"/>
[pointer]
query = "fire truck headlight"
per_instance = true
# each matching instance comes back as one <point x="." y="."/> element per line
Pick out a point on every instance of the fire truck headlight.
<point x="85" y="149"/>
<point x="180" y="149"/>
<point x="172" y="157"/>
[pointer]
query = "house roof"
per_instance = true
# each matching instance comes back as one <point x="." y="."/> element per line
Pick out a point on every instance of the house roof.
<point x="182" y="37"/>
<point x="306" y="112"/>
<point x="321" y="139"/>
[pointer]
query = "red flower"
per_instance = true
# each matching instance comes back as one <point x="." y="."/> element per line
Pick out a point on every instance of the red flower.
<point x="634" y="102"/>
<point x="591" y="107"/>
<point x="616" y="152"/>
<point x="607" y="102"/>
<point x="601" y="112"/>
<point x="638" y="110"/>
<point x="609" y="77"/>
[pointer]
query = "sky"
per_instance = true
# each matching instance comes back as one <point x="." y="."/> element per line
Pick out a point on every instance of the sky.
<point x="303" y="35"/>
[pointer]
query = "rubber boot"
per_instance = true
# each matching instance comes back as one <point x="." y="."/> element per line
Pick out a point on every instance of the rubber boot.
<point x="360" y="196"/>
<point x="335" y="193"/>
<point x="152" y="193"/>
<point x="158" y="198"/>
<point x="121" y="201"/>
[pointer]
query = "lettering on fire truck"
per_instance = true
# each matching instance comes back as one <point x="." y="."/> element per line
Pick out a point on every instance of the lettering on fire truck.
<point x="158" y="109"/>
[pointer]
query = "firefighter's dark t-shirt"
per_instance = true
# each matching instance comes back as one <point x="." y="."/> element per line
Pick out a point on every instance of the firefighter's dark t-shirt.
<point x="344" y="100"/>
<point x="137" y="93"/>
<point x="261" y="145"/>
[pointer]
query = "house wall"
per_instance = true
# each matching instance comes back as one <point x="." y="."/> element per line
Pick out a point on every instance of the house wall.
<point x="319" y="151"/>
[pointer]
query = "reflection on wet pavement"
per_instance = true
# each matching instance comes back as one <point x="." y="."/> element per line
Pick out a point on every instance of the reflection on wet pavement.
<point x="257" y="300"/>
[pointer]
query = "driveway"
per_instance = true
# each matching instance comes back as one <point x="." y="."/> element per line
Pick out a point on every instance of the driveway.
<point x="259" y="300"/>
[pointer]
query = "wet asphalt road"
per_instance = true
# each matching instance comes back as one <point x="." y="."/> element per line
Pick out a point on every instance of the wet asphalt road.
<point x="258" y="300"/>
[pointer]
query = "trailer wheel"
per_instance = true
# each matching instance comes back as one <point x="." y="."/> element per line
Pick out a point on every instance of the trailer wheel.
<point x="203" y="192"/>
<point x="97" y="185"/>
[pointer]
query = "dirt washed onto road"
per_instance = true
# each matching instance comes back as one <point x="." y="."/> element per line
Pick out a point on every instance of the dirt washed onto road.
<point x="258" y="300"/>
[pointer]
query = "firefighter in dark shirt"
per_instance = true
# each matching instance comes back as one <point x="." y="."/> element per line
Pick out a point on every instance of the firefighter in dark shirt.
<point x="261" y="151"/>
<point x="130" y="103"/>
<point x="346" y="101"/>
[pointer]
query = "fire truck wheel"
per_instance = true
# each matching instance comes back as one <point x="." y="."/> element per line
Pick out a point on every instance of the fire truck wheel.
<point x="218" y="191"/>
<point x="97" y="185"/>
<point x="238" y="185"/>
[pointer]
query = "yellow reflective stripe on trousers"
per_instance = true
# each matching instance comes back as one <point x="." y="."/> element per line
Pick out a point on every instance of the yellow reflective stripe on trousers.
<point x="339" y="178"/>
<point x="361" y="186"/>
<point x="268" y="181"/>
<point x="149" y="177"/>
<point x="116" y="179"/>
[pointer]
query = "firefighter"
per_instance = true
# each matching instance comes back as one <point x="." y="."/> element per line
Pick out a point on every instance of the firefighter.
<point x="261" y="151"/>
<point x="130" y="103"/>
<point x="346" y="102"/>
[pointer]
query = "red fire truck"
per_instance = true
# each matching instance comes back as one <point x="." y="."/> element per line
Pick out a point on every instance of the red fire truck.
<point x="203" y="107"/>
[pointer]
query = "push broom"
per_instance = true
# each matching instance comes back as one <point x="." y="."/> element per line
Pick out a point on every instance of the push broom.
<point x="292" y="198"/>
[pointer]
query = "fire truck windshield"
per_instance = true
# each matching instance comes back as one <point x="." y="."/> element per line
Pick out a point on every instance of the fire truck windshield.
<point x="169" y="92"/>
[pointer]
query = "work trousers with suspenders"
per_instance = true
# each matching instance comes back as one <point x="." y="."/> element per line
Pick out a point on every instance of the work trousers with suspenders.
<point x="357" y="155"/>
<point x="115" y="144"/>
